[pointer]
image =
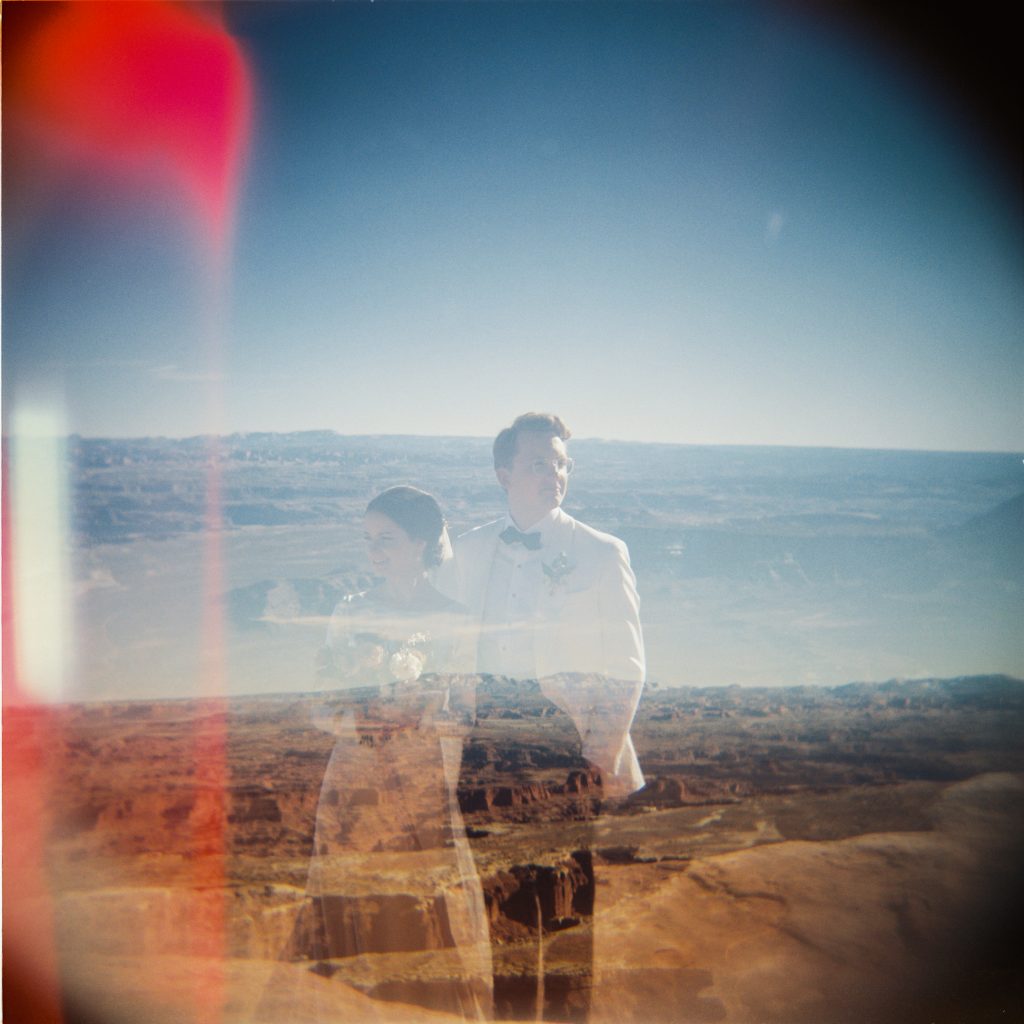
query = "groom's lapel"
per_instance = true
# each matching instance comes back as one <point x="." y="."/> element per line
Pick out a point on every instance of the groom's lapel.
<point x="483" y="560"/>
<point x="562" y="539"/>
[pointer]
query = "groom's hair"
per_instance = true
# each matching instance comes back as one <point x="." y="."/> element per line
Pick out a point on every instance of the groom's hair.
<point x="506" y="444"/>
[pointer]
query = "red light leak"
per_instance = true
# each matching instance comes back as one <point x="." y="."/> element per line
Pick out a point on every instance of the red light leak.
<point x="121" y="86"/>
<point x="134" y="90"/>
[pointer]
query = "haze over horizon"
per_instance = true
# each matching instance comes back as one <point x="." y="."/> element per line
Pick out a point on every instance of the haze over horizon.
<point x="576" y="437"/>
<point x="670" y="223"/>
<point x="754" y="566"/>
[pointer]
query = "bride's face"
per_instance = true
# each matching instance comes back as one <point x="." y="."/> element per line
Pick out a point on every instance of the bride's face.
<point x="393" y="554"/>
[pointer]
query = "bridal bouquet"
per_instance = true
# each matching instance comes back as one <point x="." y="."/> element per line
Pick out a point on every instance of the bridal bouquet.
<point x="408" y="662"/>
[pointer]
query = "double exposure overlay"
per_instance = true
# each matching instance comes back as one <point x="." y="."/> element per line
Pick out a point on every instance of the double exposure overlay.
<point x="510" y="512"/>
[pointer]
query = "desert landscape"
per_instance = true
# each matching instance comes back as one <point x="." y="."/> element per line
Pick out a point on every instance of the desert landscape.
<point x="786" y="233"/>
<point x="807" y="849"/>
<point x="798" y="854"/>
<point x="755" y="566"/>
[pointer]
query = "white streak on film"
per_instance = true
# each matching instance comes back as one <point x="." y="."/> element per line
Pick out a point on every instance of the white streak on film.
<point x="41" y="552"/>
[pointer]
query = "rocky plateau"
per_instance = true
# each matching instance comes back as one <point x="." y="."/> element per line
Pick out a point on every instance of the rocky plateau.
<point x="798" y="855"/>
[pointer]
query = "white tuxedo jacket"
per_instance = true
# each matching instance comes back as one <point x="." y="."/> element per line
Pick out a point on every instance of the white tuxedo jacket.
<point x="587" y="641"/>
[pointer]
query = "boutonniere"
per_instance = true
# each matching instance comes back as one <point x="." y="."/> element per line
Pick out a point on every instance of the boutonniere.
<point x="558" y="570"/>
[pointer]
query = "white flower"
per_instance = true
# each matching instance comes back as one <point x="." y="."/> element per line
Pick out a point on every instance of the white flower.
<point x="558" y="570"/>
<point x="407" y="665"/>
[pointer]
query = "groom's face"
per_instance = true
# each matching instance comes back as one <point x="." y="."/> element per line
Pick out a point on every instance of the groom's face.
<point x="537" y="480"/>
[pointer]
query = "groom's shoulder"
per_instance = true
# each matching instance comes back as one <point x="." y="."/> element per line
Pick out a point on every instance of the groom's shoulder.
<point x="597" y="541"/>
<point x="479" y="535"/>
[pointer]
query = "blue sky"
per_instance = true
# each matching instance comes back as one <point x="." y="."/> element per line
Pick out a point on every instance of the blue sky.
<point x="695" y="223"/>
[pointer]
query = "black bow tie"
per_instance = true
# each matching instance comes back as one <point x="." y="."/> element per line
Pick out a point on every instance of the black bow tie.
<point x="531" y="541"/>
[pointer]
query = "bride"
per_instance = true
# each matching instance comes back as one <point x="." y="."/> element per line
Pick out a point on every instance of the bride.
<point x="394" y="904"/>
<point x="402" y="627"/>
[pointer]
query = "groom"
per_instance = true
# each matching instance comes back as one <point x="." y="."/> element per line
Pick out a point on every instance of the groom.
<point x="556" y="600"/>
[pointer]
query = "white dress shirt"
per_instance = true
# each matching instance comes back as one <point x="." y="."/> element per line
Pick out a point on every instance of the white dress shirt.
<point x="511" y="603"/>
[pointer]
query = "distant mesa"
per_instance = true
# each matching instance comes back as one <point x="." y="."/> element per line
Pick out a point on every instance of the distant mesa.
<point x="1005" y="520"/>
<point x="997" y="535"/>
<point x="661" y="792"/>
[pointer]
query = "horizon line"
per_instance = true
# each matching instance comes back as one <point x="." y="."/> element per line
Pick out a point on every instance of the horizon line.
<point x="489" y="439"/>
<point x="650" y="684"/>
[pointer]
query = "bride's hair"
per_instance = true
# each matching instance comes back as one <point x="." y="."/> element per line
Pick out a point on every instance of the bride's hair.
<point x="419" y="514"/>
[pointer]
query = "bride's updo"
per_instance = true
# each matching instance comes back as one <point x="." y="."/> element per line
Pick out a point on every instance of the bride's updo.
<point x="418" y="514"/>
